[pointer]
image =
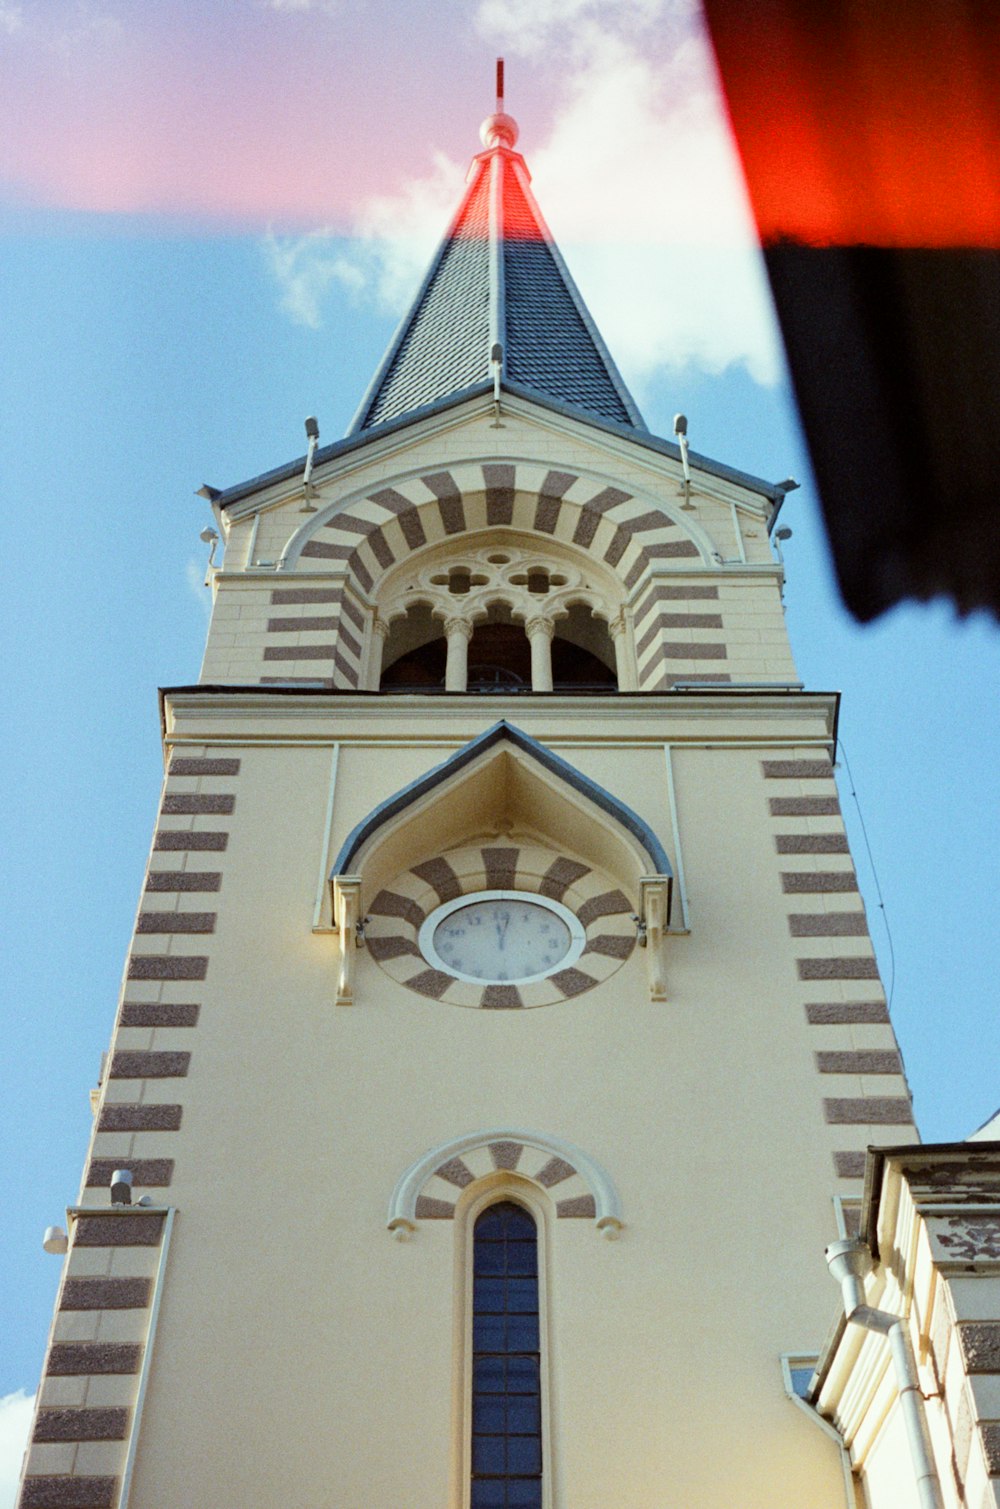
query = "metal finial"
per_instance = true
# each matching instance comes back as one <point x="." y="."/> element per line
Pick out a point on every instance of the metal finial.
<point x="499" y="129"/>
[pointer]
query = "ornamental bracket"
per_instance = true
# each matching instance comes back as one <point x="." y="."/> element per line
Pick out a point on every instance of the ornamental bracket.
<point x="346" y="896"/>
<point x="654" y="913"/>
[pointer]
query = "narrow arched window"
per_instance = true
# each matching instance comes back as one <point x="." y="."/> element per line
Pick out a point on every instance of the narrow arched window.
<point x="506" y="1362"/>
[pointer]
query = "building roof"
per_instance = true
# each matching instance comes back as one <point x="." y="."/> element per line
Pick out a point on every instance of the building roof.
<point x="497" y="279"/>
<point x="224" y="497"/>
<point x="498" y="733"/>
<point x="988" y="1132"/>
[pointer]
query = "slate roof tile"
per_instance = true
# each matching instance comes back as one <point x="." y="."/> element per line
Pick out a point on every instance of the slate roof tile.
<point x="498" y="275"/>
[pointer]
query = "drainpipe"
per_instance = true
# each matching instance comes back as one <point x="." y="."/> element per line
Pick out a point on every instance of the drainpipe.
<point x="849" y="1262"/>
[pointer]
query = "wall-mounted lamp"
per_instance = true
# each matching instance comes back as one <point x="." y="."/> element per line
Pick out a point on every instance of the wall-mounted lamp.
<point x="681" y="436"/>
<point x="312" y="436"/>
<point x="209" y="536"/>
<point x="496" y="367"/>
<point x="121" y="1187"/>
<point x="780" y="535"/>
<point x="55" y="1240"/>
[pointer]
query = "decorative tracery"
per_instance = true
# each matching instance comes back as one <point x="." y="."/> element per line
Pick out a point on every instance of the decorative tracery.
<point x="502" y="613"/>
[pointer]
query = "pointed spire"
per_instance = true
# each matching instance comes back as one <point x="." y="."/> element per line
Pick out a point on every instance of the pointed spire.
<point x="497" y="280"/>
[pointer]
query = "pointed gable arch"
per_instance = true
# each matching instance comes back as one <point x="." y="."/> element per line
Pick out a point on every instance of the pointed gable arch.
<point x="503" y="820"/>
<point x="636" y="838"/>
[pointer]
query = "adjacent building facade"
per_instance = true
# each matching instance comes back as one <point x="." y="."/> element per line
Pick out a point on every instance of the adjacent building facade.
<point x="501" y="1037"/>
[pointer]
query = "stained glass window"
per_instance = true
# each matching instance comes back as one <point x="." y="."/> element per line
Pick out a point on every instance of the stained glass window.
<point x="506" y="1391"/>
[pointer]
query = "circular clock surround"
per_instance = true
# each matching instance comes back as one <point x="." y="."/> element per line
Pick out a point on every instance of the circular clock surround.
<point x="405" y="914"/>
<point x="502" y="937"/>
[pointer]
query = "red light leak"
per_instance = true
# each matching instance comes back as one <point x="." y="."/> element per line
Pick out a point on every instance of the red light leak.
<point x="866" y="121"/>
<point x="522" y="219"/>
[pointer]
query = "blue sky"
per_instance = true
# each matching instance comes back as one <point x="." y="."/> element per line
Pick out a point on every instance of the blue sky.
<point x="147" y="351"/>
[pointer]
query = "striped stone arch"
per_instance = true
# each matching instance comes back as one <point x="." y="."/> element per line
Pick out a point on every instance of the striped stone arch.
<point x="398" y="911"/>
<point x="371" y="534"/>
<point x="578" y="1186"/>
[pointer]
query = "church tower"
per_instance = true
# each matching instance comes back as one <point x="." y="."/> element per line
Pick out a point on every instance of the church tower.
<point x="501" y="1035"/>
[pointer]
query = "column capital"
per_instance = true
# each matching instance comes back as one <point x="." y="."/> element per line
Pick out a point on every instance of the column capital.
<point x="538" y="625"/>
<point x="617" y="625"/>
<point x="455" y="626"/>
<point x="380" y="628"/>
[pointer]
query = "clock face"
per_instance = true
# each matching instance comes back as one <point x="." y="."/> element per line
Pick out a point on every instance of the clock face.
<point x="502" y="937"/>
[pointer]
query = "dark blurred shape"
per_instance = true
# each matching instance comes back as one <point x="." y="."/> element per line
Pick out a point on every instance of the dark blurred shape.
<point x="870" y="139"/>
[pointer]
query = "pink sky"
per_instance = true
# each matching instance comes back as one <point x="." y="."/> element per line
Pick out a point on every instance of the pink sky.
<point x="240" y="114"/>
<point x="322" y="120"/>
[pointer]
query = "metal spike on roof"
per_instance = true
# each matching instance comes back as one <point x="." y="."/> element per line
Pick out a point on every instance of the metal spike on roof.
<point x="497" y="279"/>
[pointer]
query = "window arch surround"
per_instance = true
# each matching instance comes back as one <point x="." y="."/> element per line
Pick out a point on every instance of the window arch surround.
<point x="503" y="1188"/>
<point x="542" y="1165"/>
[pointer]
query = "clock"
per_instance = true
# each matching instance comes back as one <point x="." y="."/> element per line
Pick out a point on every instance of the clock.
<point x="501" y="926"/>
<point x="501" y="937"/>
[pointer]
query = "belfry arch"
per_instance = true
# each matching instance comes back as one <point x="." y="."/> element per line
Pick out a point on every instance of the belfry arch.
<point x="527" y="612"/>
<point x="625" y="538"/>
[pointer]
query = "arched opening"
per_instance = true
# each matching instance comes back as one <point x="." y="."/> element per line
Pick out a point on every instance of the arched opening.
<point x="499" y="653"/>
<point x="488" y="620"/>
<point x="583" y="654"/>
<point x="415" y="651"/>
<point x="506" y="1360"/>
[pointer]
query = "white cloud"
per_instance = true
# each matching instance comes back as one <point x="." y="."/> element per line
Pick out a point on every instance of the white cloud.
<point x="15" y="1422"/>
<point x="641" y="184"/>
<point x="11" y="17"/>
<point x="400" y="232"/>
<point x="305" y="266"/>
<point x="394" y="239"/>
<point x="61" y="26"/>
<point x="527" y="27"/>
<point x="638" y="179"/>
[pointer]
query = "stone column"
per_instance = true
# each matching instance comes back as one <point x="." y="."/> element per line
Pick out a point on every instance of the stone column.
<point x="624" y="670"/>
<point x="457" y="632"/>
<point x="539" y="632"/>
<point x="380" y="633"/>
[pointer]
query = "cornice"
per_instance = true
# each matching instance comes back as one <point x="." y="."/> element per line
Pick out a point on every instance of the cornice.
<point x="318" y="715"/>
<point x="357" y="453"/>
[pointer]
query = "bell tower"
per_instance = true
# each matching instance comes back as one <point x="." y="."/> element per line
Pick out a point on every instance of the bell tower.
<point x="501" y="1035"/>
